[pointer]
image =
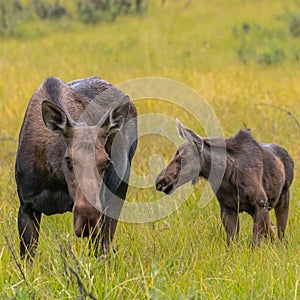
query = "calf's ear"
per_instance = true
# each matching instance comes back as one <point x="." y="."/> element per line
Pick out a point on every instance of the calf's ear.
<point x="55" y="118"/>
<point x="189" y="136"/>
<point x="116" y="118"/>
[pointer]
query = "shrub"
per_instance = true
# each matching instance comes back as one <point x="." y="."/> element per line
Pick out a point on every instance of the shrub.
<point x="93" y="11"/>
<point x="45" y="10"/>
<point x="294" y="25"/>
<point x="259" y="44"/>
<point x="10" y="15"/>
<point x="14" y="15"/>
<point x="272" y="54"/>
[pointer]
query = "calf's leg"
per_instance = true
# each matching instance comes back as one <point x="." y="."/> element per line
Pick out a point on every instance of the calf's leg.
<point x="262" y="225"/>
<point x="29" y="227"/>
<point x="282" y="212"/>
<point x="231" y="223"/>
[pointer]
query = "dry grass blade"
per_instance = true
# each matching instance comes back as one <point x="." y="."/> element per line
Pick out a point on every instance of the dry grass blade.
<point x="283" y="110"/>
<point x="13" y="253"/>
<point x="82" y="290"/>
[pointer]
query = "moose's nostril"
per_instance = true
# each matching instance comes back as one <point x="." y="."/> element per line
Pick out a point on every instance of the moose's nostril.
<point x="169" y="189"/>
<point x="159" y="186"/>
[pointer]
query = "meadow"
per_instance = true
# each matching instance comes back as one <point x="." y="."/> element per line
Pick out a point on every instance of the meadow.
<point x="243" y="57"/>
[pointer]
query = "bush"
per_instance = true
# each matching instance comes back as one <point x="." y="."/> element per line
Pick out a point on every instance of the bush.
<point x="14" y="15"/>
<point x="50" y="11"/>
<point x="294" y="25"/>
<point x="259" y="44"/>
<point x="10" y="15"/>
<point x="272" y="54"/>
<point x="93" y="11"/>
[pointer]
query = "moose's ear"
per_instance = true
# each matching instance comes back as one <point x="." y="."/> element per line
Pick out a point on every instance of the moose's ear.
<point x="189" y="136"/>
<point x="116" y="118"/>
<point x="54" y="118"/>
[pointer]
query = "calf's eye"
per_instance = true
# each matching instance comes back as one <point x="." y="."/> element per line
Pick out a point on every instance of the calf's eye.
<point x="68" y="162"/>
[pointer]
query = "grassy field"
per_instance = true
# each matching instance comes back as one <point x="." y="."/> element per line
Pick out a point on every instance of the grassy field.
<point x="237" y="55"/>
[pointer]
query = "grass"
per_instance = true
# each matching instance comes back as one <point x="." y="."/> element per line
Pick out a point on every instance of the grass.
<point x="184" y="255"/>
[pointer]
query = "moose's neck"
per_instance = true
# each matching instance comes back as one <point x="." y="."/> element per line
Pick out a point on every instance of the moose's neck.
<point x="213" y="166"/>
<point x="205" y="162"/>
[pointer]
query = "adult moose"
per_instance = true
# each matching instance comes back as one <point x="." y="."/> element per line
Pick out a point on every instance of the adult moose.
<point x="75" y="150"/>
<point x="257" y="178"/>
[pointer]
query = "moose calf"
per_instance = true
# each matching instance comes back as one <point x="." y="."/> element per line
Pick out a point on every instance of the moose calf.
<point x="256" y="178"/>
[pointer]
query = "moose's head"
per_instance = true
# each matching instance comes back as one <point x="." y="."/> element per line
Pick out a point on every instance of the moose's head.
<point x="85" y="159"/>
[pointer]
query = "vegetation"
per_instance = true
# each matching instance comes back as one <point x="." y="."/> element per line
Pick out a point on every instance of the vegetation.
<point x="16" y="14"/>
<point x="243" y="57"/>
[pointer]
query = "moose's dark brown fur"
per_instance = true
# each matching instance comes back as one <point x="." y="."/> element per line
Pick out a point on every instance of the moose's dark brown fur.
<point x="65" y="161"/>
<point x="257" y="178"/>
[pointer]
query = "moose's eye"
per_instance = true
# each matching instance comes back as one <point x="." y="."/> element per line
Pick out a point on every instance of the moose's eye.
<point x="183" y="160"/>
<point x="68" y="162"/>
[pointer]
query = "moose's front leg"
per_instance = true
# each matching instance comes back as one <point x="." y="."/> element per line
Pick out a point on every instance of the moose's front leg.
<point x="230" y="220"/>
<point x="112" y="214"/>
<point x="108" y="232"/>
<point x="29" y="227"/>
<point x="101" y="235"/>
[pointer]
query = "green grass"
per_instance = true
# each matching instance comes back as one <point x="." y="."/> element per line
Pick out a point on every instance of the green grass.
<point x="183" y="256"/>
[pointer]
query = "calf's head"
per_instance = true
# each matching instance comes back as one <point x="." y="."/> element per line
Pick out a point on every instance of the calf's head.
<point x="185" y="164"/>
<point x="85" y="159"/>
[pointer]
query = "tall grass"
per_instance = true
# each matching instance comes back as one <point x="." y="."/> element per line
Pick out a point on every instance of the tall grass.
<point x="183" y="256"/>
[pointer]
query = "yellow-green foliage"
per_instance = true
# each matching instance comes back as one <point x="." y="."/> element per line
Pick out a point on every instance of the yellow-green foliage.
<point x="183" y="256"/>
